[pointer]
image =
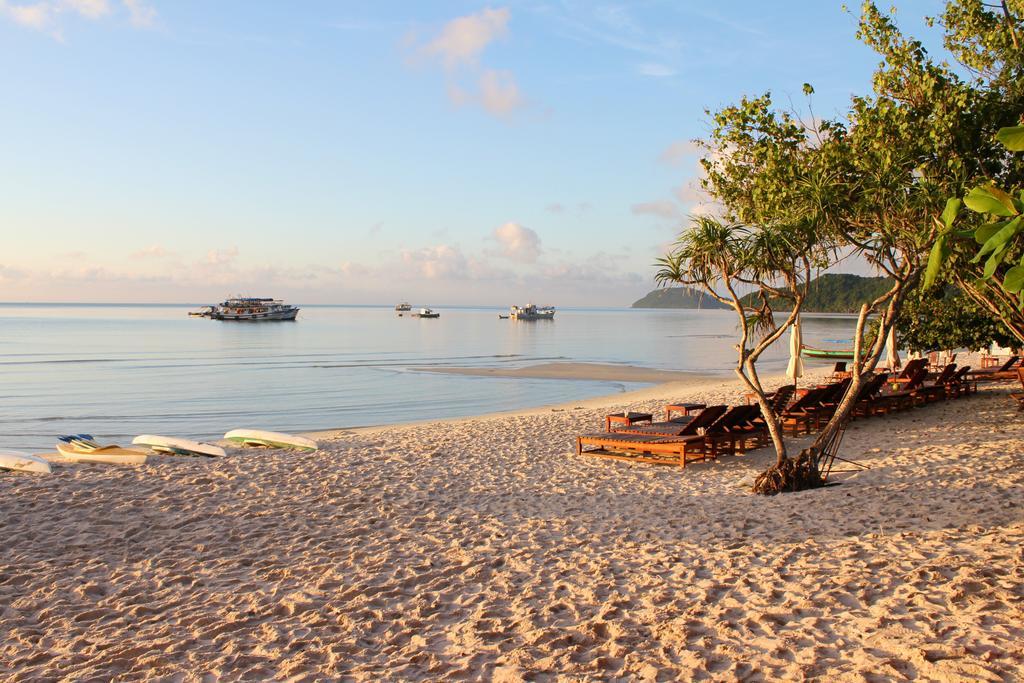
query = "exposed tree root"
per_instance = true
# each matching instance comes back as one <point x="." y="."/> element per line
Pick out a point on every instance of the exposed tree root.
<point x="792" y="474"/>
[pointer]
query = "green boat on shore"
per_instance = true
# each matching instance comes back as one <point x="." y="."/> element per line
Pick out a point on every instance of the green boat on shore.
<point x="828" y="354"/>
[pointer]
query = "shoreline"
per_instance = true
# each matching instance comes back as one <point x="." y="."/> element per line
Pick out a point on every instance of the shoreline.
<point x="661" y="393"/>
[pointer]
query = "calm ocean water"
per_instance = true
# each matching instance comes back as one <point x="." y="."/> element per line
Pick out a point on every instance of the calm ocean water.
<point x="122" y="370"/>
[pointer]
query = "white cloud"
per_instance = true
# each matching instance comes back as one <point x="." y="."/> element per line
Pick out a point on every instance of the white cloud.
<point x="140" y="13"/>
<point x="678" y="151"/>
<point x="38" y="15"/>
<point x="461" y="43"/>
<point x="154" y="251"/>
<point x="661" y="208"/>
<point x="92" y="9"/>
<point x="517" y="242"/>
<point x="45" y="15"/>
<point x="221" y="257"/>
<point x="555" y="207"/>
<point x="655" y="70"/>
<point x="499" y="93"/>
<point x="462" y="40"/>
<point x="435" y="263"/>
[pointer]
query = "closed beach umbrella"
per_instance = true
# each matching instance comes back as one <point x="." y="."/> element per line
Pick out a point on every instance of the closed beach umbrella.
<point x="796" y="363"/>
<point x="892" y="355"/>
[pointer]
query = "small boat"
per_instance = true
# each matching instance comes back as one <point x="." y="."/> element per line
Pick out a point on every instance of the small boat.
<point x="404" y="306"/>
<point x="502" y="317"/>
<point x="829" y="354"/>
<point x="16" y="461"/>
<point x="258" y="437"/>
<point x="532" y="312"/>
<point x="249" y="309"/>
<point x="426" y="313"/>
<point x="82" y="448"/>
<point x="175" y="446"/>
<point x="204" y="312"/>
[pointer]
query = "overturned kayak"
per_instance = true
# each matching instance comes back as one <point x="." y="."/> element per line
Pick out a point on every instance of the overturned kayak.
<point x="258" y="437"/>
<point x="108" y="455"/>
<point x="16" y="461"/>
<point x="175" y="446"/>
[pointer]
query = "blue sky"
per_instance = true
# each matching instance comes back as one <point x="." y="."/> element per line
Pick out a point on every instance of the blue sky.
<point x="365" y="152"/>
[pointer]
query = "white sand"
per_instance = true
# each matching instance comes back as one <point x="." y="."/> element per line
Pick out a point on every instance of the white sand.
<point x="484" y="548"/>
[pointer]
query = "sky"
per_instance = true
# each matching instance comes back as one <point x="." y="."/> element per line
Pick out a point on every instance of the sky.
<point x="372" y="152"/>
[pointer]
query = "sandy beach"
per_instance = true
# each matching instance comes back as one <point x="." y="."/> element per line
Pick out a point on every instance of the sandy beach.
<point x="484" y="548"/>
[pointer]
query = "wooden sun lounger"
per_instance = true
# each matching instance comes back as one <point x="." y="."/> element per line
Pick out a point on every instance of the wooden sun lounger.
<point x="1003" y="372"/>
<point x="892" y="401"/>
<point x="678" y="426"/>
<point x="960" y="384"/>
<point x="727" y="432"/>
<point x="1019" y="396"/>
<point x="938" y="390"/>
<point x="868" y="393"/>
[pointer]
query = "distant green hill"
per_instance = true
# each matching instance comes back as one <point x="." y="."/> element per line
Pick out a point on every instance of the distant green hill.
<point x="829" y="293"/>
<point x="678" y="297"/>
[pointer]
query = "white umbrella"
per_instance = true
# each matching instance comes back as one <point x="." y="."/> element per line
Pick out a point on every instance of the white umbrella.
<point x="796" y="363"/>
<point x="892" y="354"/>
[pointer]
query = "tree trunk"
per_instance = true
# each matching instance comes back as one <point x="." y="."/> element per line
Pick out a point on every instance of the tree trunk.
<point x="862" y="369"/>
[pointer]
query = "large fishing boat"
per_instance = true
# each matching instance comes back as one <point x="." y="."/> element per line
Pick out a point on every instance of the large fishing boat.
<point x="253" y="310"/>
<point x="532" y="312"/>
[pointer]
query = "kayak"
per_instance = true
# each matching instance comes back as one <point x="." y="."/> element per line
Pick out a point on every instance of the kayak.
<point x="831" y="354"/>
<point x="258" y="437"/>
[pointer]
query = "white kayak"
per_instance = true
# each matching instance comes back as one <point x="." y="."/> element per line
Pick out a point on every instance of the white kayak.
<point x="108" y="455"/>
<point x="258" y="437"/>
<point x="16" y="461"/>
<point x="175" y="446"/>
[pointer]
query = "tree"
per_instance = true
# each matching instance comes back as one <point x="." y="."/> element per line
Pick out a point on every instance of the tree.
<point x="725" y="259"/>
<point x="876" y="181"/>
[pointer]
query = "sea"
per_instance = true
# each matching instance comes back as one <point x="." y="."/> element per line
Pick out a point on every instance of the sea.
<point x="116" y="371"/>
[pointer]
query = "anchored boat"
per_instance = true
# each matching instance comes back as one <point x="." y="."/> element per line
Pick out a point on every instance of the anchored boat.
<point x="532" y="312"/>
<point x="426" y="313"/>
<point x="252" y="310"/>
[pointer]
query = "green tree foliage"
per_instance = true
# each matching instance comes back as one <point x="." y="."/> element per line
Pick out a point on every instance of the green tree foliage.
<point x="948" y="319"/>
<point x="998" y="232"/>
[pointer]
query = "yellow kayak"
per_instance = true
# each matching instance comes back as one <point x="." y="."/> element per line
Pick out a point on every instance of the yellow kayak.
<point x="109" y="455"/>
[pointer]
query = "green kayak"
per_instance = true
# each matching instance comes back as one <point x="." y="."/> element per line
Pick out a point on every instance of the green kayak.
<point x="831" y="354"/>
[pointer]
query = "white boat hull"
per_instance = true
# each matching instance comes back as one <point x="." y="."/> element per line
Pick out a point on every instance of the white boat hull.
<point x="259" y="437"/>
<point x="16" y="461"/>
<point x="175" y="446"/>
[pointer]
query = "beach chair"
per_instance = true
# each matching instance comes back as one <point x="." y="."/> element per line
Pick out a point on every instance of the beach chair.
<point x="938" y="390"/>
<point x="867" y="394"/>
<point x="960" y="384"/>
<point x="839" y="372"/>
<point x="909" y="371"/>
<point x="798" y="418"/>
<point x="829" y="402"/>
<point x="1019" y="396"/>
<point x="900" y="399"/>
<point x="735" y="432"/>
<point x="654" y="448"/>
<point x="1003" y="372"/>
<point x="680" y="426"/>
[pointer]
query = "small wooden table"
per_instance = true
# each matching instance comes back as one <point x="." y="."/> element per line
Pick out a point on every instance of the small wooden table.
<point x="683" y="408"/>
<point x="626" y="419"/>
